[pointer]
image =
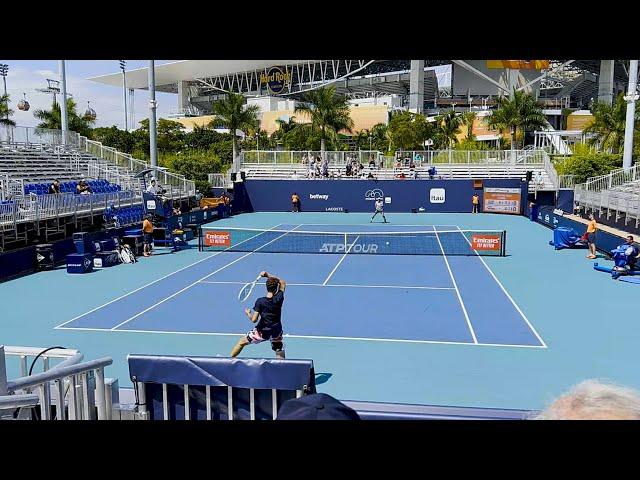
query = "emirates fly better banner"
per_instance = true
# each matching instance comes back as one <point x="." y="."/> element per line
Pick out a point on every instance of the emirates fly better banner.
<point x="502" y="200"/>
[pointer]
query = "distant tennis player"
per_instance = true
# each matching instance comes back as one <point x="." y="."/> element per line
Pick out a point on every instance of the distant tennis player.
<point x="379" y="209"/>
<point x="267" y="312"/>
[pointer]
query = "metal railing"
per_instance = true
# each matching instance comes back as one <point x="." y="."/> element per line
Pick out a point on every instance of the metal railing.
<point x="36" y="208"/>
<point x="79" y="390"/>
<point x="419" y="158"/>
<point x="612" y="179"/>
<point x="177" y="186"/>
<point x="220" y="180"/>
<point x="566" y="181"/>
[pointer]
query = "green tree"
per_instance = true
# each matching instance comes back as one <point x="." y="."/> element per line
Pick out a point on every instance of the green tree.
<point x="52" y="119"/>
<point x="329" y="113"/>
<point x="114" y="137"/>
<point x="522" y="112"/>
<point x="193" y="164"/>
<point x="171" y="136"/>
<point x="467" y="120"/>
<point x="408" y="131"/>
<point x="448" y="128"/>
<point x="5" y="111"/>
<point x="586" y="163"/>
<point x="232" y="114"/>
<point x="609" y="124"/>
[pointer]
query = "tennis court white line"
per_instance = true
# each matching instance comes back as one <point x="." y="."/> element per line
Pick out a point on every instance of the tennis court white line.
<point x="507" y="294"/>
<point x="199" y="280"/>
<point x="151" y="283"/>
<point x="338" y="264"/>
<point x="315" y="337"/>
<point x="464" y="309"/>
<point x="336" y="285"/>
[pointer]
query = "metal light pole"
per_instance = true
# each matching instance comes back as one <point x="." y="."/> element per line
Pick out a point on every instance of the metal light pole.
<point x="124" y="93"/>
<point x="153" y="105"/>
<point x="4" y="70"/>
<point x="631" y="97"/>
<point x="63" y="104"/>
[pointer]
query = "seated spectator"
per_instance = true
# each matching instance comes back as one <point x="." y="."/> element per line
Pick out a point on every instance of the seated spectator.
<point x="398" y="164"/>
<point x="295" y="175"/>
<point x="348" y="170"/>
<point x="370" y="176"/>
<point x="413" y="173"/>
<point x="372" y="162"/>
<point x="83" y="188"/>
<point x="594" y="400"/>
<point x="402" y="176"/>
<point x="381" y="166"/>
<point x="325" y="168"/>
<point x="407" y="161"/>
<point x="152" y="188"/>
<point x="54" y="187"/>
<point x="311" y="170"/>
<point x="432" y="172"/>
<point x="412" y="165"/>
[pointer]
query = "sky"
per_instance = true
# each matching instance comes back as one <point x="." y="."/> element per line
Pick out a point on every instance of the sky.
<point x="26" y="76"/>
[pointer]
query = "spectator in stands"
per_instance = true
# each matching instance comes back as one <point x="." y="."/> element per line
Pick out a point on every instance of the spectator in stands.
<point x="348" y="170"/>
<point x="317" y="406"/>
<point x="267" y="312"/>
<point x="413" y="173"/>
<point x="370" y="176"/>
<point x="539" y="179"/>
<point x="311" y="170"/>
<point x="432" y="172"/>
<point x="325" y="168"/>
<point x="592" y="228"/>
<point x="54" y="187"/>
<point x="475" y="201"/>
<point x="83" y="188"/>
<point x="316" y="171"/>
<point x="295" y="202"/>
<point x="381" y="166"/>
<point x="147" y="232"/>
<point x="576" y="208"/>
<point x="594" y="400"/>
<point x="152" y="188"/>
<point x="372" y="162"/>
<point x="295" y="175"/>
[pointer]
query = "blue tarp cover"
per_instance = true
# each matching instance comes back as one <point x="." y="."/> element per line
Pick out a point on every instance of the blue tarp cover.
<point x="213" y="371"/>
<point x="564" y="237"/>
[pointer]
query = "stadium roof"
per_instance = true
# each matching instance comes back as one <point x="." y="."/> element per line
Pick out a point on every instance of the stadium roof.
<point x="169" y="74"/>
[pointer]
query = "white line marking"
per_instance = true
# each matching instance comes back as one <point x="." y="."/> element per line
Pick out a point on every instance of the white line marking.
<point x="387" y="340"/>
<point x="336" y="285"/>
<point x="508" y="296"/>
<point x="149" y="284"/>
<point x="199" y="280"/>
<point x="464" y="309"/>
<point x="343" y="257"/>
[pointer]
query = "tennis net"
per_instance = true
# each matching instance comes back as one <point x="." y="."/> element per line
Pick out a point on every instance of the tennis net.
<point x="449" y="242"/>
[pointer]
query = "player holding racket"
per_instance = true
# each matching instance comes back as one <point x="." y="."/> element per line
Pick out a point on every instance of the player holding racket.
<point x="267" y="311"/>
<point x="379" y="209"/>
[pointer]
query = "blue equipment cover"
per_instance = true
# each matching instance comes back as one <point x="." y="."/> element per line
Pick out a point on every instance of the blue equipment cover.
<point x="564" y="237"/>
<point x="238" y="373"/>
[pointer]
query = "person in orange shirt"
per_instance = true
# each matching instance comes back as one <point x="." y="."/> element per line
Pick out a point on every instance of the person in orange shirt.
<point x="475" y="200"/>
<point x="147" y="231"/>
<point x="295" y="201"/>
<point x="592" y="228"/>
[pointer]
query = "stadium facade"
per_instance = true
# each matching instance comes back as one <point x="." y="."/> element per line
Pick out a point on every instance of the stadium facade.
<point x="376" y="87"/>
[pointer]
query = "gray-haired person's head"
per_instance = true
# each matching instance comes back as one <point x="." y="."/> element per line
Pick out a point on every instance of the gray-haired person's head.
<point x="594" y="400"/>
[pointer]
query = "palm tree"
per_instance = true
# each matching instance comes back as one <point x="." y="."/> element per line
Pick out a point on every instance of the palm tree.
<point x="5" y="111"/>
<point x="467" y="119"/>
<point x="52" y="119"/>
<point x="448" y="127"/>
<point x="522" y="112"/>
<point x="231" y="113"/>
<point x="609" y="124"/>
<point x="329" y="112"/>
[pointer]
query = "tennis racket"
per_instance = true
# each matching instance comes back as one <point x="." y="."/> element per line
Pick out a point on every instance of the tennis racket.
<point x="245" y="291"/>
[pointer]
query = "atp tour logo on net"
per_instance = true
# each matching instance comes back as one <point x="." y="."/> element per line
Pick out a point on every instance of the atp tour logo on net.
<point x="217" y="239"/>
<point x="342" y="248"/>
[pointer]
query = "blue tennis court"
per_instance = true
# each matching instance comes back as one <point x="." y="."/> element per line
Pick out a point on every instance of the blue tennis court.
<point x="508" y="331"/>
<point x="438" y="298"/>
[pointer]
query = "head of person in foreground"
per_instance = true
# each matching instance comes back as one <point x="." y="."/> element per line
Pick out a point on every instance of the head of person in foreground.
<point x="594" y="400"/>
